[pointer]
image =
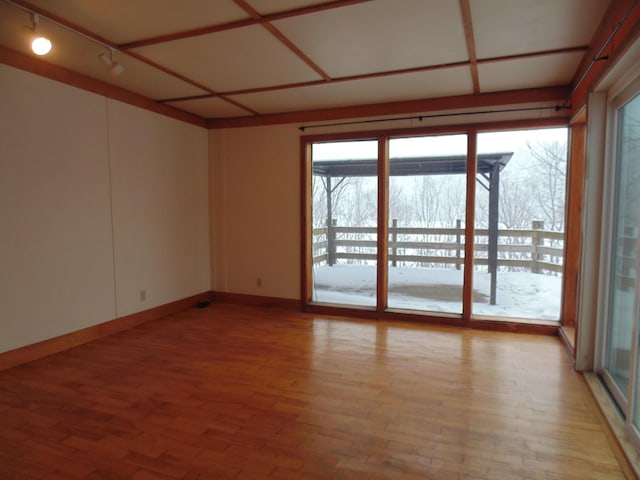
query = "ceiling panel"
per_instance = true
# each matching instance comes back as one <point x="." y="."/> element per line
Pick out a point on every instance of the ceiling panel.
<point x="371" y="38"/>
<point x="266" y="7"/>
<point x="79" y="54"/>
<point x="231" y="60"/>
<point x="429" y="84"/>
<point x="210" y="108"/>
<point x="533" y="72"/>
<point x="508" y="27"/>
<point x="380" y="36"/>
<point x="122" y="21"/>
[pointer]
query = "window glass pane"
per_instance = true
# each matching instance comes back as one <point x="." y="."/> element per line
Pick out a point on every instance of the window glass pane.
<point x="344" y="222"/>
<point x="427" y="200"/>
<point x="623" y="275"/>
<point x="519" y="222"/>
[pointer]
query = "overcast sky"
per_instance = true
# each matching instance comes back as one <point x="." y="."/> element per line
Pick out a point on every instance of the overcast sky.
<point x="438" y="145"/>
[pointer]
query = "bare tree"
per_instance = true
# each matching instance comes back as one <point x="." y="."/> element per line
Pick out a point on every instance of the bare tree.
<point x="549" y="169"/>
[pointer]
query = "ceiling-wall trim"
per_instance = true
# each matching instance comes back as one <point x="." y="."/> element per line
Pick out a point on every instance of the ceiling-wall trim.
<point x="549" y="95"/>
<point x="53" y="72"/>
<point x="37" y="66"/>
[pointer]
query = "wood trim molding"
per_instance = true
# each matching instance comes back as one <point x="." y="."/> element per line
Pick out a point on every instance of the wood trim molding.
<point x="442" y="104"/>
<point x="620" y="37"/>
<point x="573" y="224"/>
<point x="42" y="349"/>
<point x="622" y="445"/>
<point x="433" y="319"/>
<point x="36" y="66"/>
<point x="257" y="300"/>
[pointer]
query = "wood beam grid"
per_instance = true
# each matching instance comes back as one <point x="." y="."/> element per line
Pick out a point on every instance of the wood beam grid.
<point x="282" y="38"/>
<point x="471" y="44"/>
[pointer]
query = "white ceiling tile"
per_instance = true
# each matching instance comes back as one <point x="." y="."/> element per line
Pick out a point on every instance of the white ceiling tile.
<point x="531" y="72"/>
<point x="266" y="7"/>
<point x="123" y="21"/>
<point x="213" y="107"/>
<point x="510" y="27"/>
<point x="429" y="84"/>
<point x="380" y="36"/>
<point x="231" y="60"/>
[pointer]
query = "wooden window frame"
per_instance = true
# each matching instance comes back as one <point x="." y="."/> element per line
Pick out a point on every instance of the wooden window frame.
<point x="575" y="175"/>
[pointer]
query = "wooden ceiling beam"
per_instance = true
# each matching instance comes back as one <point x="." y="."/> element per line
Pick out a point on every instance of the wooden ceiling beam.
<point x="460" y="102"/>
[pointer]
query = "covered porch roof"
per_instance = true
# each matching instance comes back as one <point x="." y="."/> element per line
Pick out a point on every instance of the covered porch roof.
<point x="411" y="166"/>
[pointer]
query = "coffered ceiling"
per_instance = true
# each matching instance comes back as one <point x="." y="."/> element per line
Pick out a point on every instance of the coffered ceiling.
<point x="242" y="58"/>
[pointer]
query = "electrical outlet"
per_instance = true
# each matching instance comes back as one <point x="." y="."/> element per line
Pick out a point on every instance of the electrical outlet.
<point x="143" y="295"/>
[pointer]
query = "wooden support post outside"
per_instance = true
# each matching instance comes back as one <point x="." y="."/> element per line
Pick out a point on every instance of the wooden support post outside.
<point x="469" y="228"/>
<point x="394" y="240"/>
<point x="494" y="206"/>
<point x="458" y="241"/>
<point x="383" y="224"/>
<point x="536" y="241"/>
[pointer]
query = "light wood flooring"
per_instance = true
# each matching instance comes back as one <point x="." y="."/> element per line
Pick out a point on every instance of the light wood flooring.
<point x="232" y="392"/>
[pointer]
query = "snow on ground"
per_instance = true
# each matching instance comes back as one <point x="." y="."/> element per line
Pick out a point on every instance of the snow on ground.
<point x="519" y="294"/>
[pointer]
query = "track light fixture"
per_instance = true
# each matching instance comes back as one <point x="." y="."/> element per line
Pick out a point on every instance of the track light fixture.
<point x="114" y="67"/>
<point x="39" y="45"/>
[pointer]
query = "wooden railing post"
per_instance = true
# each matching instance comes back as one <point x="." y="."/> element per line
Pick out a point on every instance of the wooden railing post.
<point x="394" y="239"/>
<point x="331" y="242"/>
<point x="536" y="241"/>
<point x="458" y="242"/>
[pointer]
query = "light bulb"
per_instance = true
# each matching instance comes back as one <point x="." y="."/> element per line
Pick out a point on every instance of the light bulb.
<point x="41" y="45"/>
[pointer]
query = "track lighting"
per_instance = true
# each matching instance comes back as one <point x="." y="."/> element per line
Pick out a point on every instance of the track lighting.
<point x="40" y="45"/>
<point x="114" y="67"/>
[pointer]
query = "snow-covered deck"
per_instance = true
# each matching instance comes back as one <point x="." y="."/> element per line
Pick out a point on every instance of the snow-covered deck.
<point x="519" y="294"/>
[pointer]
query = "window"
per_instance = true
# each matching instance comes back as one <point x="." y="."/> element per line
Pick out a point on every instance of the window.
<point x="454" y="224"/>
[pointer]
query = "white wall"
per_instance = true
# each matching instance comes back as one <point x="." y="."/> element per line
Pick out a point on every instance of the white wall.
<point x="160" y="207"/>
<point x="255" y="194"/>
<point x="98" y="200"/>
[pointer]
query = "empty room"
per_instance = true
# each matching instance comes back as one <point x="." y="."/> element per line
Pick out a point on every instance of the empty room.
<point x="319" y="239"/>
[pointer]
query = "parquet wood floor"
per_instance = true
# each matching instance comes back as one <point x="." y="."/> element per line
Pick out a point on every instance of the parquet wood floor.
<point x="231" y="392"/>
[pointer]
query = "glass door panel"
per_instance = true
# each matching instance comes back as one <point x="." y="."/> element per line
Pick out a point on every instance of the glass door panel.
<point x="344" y="222"/>
<point x="519" y="224"/>
<point x="427" y="201"/>
<point x="623" y="284"/>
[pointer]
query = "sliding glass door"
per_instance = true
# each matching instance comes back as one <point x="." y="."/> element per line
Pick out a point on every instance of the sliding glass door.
<point x="620" y="353"/>
<point x="427" y="203"/>
<point x="388" y="223"/>
<point x="520" y="211"/>
<point x="344" y="222"/>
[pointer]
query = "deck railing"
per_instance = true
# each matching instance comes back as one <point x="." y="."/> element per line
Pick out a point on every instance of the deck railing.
<point x="535" y="250"/>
